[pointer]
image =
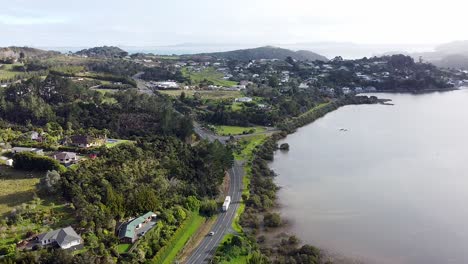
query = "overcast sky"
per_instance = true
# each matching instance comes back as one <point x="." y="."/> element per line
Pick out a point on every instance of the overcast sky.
<point x="55" y="23"/>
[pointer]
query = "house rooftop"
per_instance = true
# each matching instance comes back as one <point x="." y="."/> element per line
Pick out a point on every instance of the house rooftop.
<point x="61" y="236"/>
<point x="129" y="230"/>
<point x="65" y="155"/>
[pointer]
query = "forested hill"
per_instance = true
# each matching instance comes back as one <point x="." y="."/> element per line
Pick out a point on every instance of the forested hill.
<point x="103" y="52"/>
<point x="26" y="52"/>
<point x="267" y="52"/>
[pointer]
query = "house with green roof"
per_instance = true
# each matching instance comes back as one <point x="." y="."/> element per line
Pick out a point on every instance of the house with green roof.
<point x="130" y="231"/>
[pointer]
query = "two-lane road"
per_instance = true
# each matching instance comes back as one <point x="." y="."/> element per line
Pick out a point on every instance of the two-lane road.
<point x="207" y="248"/>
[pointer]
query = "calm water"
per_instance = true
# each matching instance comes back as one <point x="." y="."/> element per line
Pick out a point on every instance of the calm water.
<point x="392" y="189"/>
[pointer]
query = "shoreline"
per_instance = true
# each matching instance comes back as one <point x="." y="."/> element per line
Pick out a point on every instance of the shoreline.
<point x="264" y="155"/>
<point x="424" y="91"/>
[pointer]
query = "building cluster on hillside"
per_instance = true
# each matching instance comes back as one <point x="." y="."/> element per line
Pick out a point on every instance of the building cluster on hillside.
<point x="334" y="77"/>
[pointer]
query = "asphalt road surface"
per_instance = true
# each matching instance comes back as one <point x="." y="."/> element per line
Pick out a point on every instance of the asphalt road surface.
<point x="207" y="248"/>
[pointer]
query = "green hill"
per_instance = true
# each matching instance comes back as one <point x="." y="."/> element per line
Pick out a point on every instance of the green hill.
<point x="103" y="52"/>
<point x="15" y="53"/>
<point x="267" y="52"/>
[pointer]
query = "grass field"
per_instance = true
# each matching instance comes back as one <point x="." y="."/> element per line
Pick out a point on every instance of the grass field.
<point x="114" y="142"/>
<point x="180" y="238"/>
<point x="16" y="188"/>
<point x="123" y="248"/>
<point x="6" y="71"/>
<point x="209" y="74"/>
<point x="236" y="130"/>
<point x="205" y="94"/>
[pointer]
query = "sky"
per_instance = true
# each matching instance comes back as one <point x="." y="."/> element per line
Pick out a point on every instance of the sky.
<point x="84" y="23"/>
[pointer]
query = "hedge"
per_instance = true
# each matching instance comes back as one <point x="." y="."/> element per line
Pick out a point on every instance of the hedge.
<point x="30" y="161"/>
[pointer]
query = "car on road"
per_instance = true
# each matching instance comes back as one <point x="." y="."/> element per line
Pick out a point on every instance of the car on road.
<point x="211" y="233"/>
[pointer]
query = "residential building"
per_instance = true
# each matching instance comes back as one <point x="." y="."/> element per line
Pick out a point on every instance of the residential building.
<point x="128" y="231"/>
<point x="244" y="99"/>
<point x="66" y="157"/>
<point x="65" y="238"/>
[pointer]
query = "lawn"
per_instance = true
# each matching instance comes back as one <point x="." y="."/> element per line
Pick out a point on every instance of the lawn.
<point x="123" y="248"/>
<point x="16" y="188"/>
<point x="237" y="130"/>
<point x="205" y="94"/>
<point x="114" y="142"/>
<point x="209" y="74"/>
<point x="168" y="253"/>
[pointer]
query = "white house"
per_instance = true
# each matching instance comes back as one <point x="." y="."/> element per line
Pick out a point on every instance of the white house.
<point x="66" y="157"/>
<point x="244" y="99"/>
<point x="65" y="238"/>
<point x="303" y="86"/>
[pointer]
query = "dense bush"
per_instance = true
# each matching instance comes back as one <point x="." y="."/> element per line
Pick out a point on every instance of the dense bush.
<point x="31" y="161"/>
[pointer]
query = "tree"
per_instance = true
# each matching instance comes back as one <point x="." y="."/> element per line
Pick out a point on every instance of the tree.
<point x="50" y="183"/>
<point x="273" y="81"/>
<point x="257" y="258"/>
<point x="209" y="207"/>
<point x="272" y="220"/>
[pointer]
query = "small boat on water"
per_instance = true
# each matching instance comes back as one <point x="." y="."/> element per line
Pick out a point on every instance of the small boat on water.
<point x="343" y="129"/>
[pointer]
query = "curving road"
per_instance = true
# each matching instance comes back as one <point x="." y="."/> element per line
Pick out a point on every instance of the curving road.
<point x="207" y="247"/>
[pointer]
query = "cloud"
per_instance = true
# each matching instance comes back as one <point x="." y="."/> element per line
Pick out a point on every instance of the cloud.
<point x="29" y="20"/>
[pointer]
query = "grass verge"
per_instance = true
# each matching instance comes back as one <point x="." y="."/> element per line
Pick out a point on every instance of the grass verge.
<point x="169" y="252"/>
<point x="237" y="130"/>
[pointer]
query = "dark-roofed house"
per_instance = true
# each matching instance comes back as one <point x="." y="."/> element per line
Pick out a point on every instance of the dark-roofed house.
<point x="128" y="231"/>
<point x="65" y="157"/>
<point x="65" y="238"/>
<point x="85" y="141"/>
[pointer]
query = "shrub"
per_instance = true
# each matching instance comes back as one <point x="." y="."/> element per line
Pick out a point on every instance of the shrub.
<point x="272" y="220"/>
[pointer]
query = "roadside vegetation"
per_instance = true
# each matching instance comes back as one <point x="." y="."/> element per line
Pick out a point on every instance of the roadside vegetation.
<point x="169" y="253"/>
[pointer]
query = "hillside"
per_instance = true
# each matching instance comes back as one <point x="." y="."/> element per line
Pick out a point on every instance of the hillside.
<point x="103" y="52"/>
<point x="16" y="53"/>
<point x="266" y="52"/>
<point x="448" y="55"/>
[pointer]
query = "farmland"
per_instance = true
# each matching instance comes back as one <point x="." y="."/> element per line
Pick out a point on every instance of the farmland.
<point x="208" y="74"/>
<point x="16" y="187"/>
